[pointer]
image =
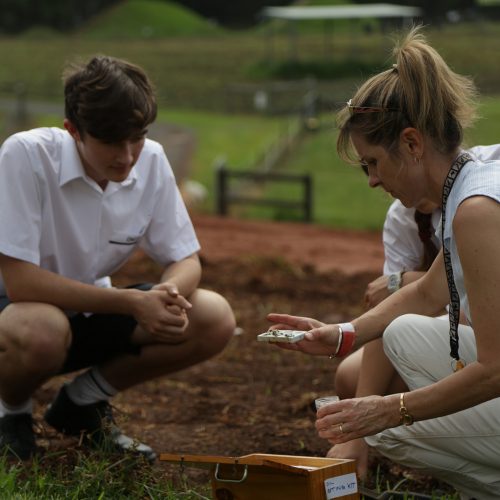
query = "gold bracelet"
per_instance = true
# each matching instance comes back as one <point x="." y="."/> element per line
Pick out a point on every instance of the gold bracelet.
<point x="405" y="417"/>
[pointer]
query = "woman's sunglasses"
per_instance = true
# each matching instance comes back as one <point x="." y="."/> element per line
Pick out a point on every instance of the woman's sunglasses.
<point x="353" y="110"/>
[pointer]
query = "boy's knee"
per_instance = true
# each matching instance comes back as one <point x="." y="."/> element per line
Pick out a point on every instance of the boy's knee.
<point x="38" y="335"/>
<point x="46" y="352"/>
<point x="224" y="323"/>
<point x="214" y="317"/>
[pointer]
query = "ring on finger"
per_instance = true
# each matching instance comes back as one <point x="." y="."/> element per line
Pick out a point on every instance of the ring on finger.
<point x="340" y="428"/>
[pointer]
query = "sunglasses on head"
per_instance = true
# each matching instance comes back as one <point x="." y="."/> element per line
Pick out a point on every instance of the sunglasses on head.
<point x="353" y="110"/>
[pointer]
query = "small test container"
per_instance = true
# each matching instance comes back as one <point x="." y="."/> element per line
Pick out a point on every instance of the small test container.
<point x="326" y="400"/>
<point x="287" y="336"/>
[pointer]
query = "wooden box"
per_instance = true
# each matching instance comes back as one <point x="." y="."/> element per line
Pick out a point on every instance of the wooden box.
<point x="275" y="477"/>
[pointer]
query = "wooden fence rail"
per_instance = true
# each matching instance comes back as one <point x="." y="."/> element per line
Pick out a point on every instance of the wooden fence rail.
<point x="225" y="196"/>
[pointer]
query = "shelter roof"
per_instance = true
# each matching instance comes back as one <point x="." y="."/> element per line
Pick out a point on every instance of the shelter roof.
<point x="377" y="10"/>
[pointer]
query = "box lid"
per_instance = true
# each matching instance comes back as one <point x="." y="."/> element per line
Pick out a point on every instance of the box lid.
<point x="300" y="465"/>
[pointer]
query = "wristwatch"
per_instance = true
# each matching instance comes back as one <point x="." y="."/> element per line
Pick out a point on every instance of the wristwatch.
<point x="405" y="418"/>
<point x="394" y="283"/>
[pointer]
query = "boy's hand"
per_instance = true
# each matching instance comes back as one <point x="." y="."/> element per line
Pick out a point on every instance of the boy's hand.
<point x="173" y="294"/>
<point x="162" y="312"/>
<point x="376" y="291"/>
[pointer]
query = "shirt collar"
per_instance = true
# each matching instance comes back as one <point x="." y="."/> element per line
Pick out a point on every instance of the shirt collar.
<point x="72" y="167"/>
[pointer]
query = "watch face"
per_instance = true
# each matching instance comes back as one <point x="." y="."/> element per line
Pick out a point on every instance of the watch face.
<point x="407" y="419"/>
<point x="394" y="282"/>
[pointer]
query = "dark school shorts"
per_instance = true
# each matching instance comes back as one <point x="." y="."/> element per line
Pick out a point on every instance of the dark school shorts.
<point x="99" y="337"/>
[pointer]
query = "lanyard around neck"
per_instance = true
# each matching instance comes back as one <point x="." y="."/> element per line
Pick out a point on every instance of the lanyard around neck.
<point x="454" y="310"/>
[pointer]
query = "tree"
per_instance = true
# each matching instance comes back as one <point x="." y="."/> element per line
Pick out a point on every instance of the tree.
<point x="241" y="13"/>
<point x="63" y="15"/>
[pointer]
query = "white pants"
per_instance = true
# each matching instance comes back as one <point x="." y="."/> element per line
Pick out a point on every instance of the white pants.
<point x="462" y="449"/>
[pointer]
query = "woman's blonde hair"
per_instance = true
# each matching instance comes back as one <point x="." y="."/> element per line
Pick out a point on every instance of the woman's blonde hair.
<point x="419" y="91"/>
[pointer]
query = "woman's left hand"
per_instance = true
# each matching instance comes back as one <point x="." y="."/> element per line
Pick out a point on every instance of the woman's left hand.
<point x="355" y="418"/>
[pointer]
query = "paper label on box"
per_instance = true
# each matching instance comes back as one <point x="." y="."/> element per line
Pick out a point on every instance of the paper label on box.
<point x="340" y="486"/>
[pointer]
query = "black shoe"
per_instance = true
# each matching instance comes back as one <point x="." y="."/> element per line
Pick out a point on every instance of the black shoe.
<point x="17" y="437"/>
<point x="95" y="422"/>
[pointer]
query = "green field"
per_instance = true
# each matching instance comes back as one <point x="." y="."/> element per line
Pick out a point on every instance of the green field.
<point x="341" y="195"/>
<point x="193" y="62"/>
<point x="206" y="78"/>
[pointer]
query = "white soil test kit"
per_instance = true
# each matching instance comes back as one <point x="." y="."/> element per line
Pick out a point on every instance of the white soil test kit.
<point x="289" y="336"/>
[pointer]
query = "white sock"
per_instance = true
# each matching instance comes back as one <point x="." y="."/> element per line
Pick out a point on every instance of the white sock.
<point x="6" y="409"/>
<point x="90" y="387"/>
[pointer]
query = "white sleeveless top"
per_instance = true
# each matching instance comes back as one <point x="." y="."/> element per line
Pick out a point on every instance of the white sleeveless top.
<point x="477" y="178"/>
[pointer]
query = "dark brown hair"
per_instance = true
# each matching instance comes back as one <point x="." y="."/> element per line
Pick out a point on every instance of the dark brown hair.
<point x="425" y="232"/>
<point x="108" y="98"/>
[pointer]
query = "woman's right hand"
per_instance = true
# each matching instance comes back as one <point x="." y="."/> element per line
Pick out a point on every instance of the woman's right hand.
<point x="320" y="339"/>
<point x="288" y="322"/>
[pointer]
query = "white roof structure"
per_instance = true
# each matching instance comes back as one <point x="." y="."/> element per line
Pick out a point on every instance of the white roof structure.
<point x="327" y="14"/>
<point x="377" y="10"/>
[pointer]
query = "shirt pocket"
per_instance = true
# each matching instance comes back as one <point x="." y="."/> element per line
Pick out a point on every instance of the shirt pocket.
<point x="125" y="238"/>
<point x="119" y="247"/>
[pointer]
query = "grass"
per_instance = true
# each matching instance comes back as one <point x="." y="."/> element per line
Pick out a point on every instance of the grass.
<point x="196" y="71"/>
<point x="383" y="485"/>
<point x="238" y="139"/>
<point x="89" y="476"/>
<point x="341" y="196"/>
<point x="487" y="129"/>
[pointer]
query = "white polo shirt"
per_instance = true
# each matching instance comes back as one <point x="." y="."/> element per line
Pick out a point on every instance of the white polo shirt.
<point x="53" y="215"/>
<point x="403" y="248"/>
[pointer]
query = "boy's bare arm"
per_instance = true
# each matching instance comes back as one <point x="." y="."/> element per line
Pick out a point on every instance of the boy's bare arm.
<point x="26" y="282"/>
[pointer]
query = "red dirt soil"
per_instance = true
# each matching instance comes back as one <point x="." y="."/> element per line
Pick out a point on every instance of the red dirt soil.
<point x="253" y="398"/>
<point x="322" y="248"/>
